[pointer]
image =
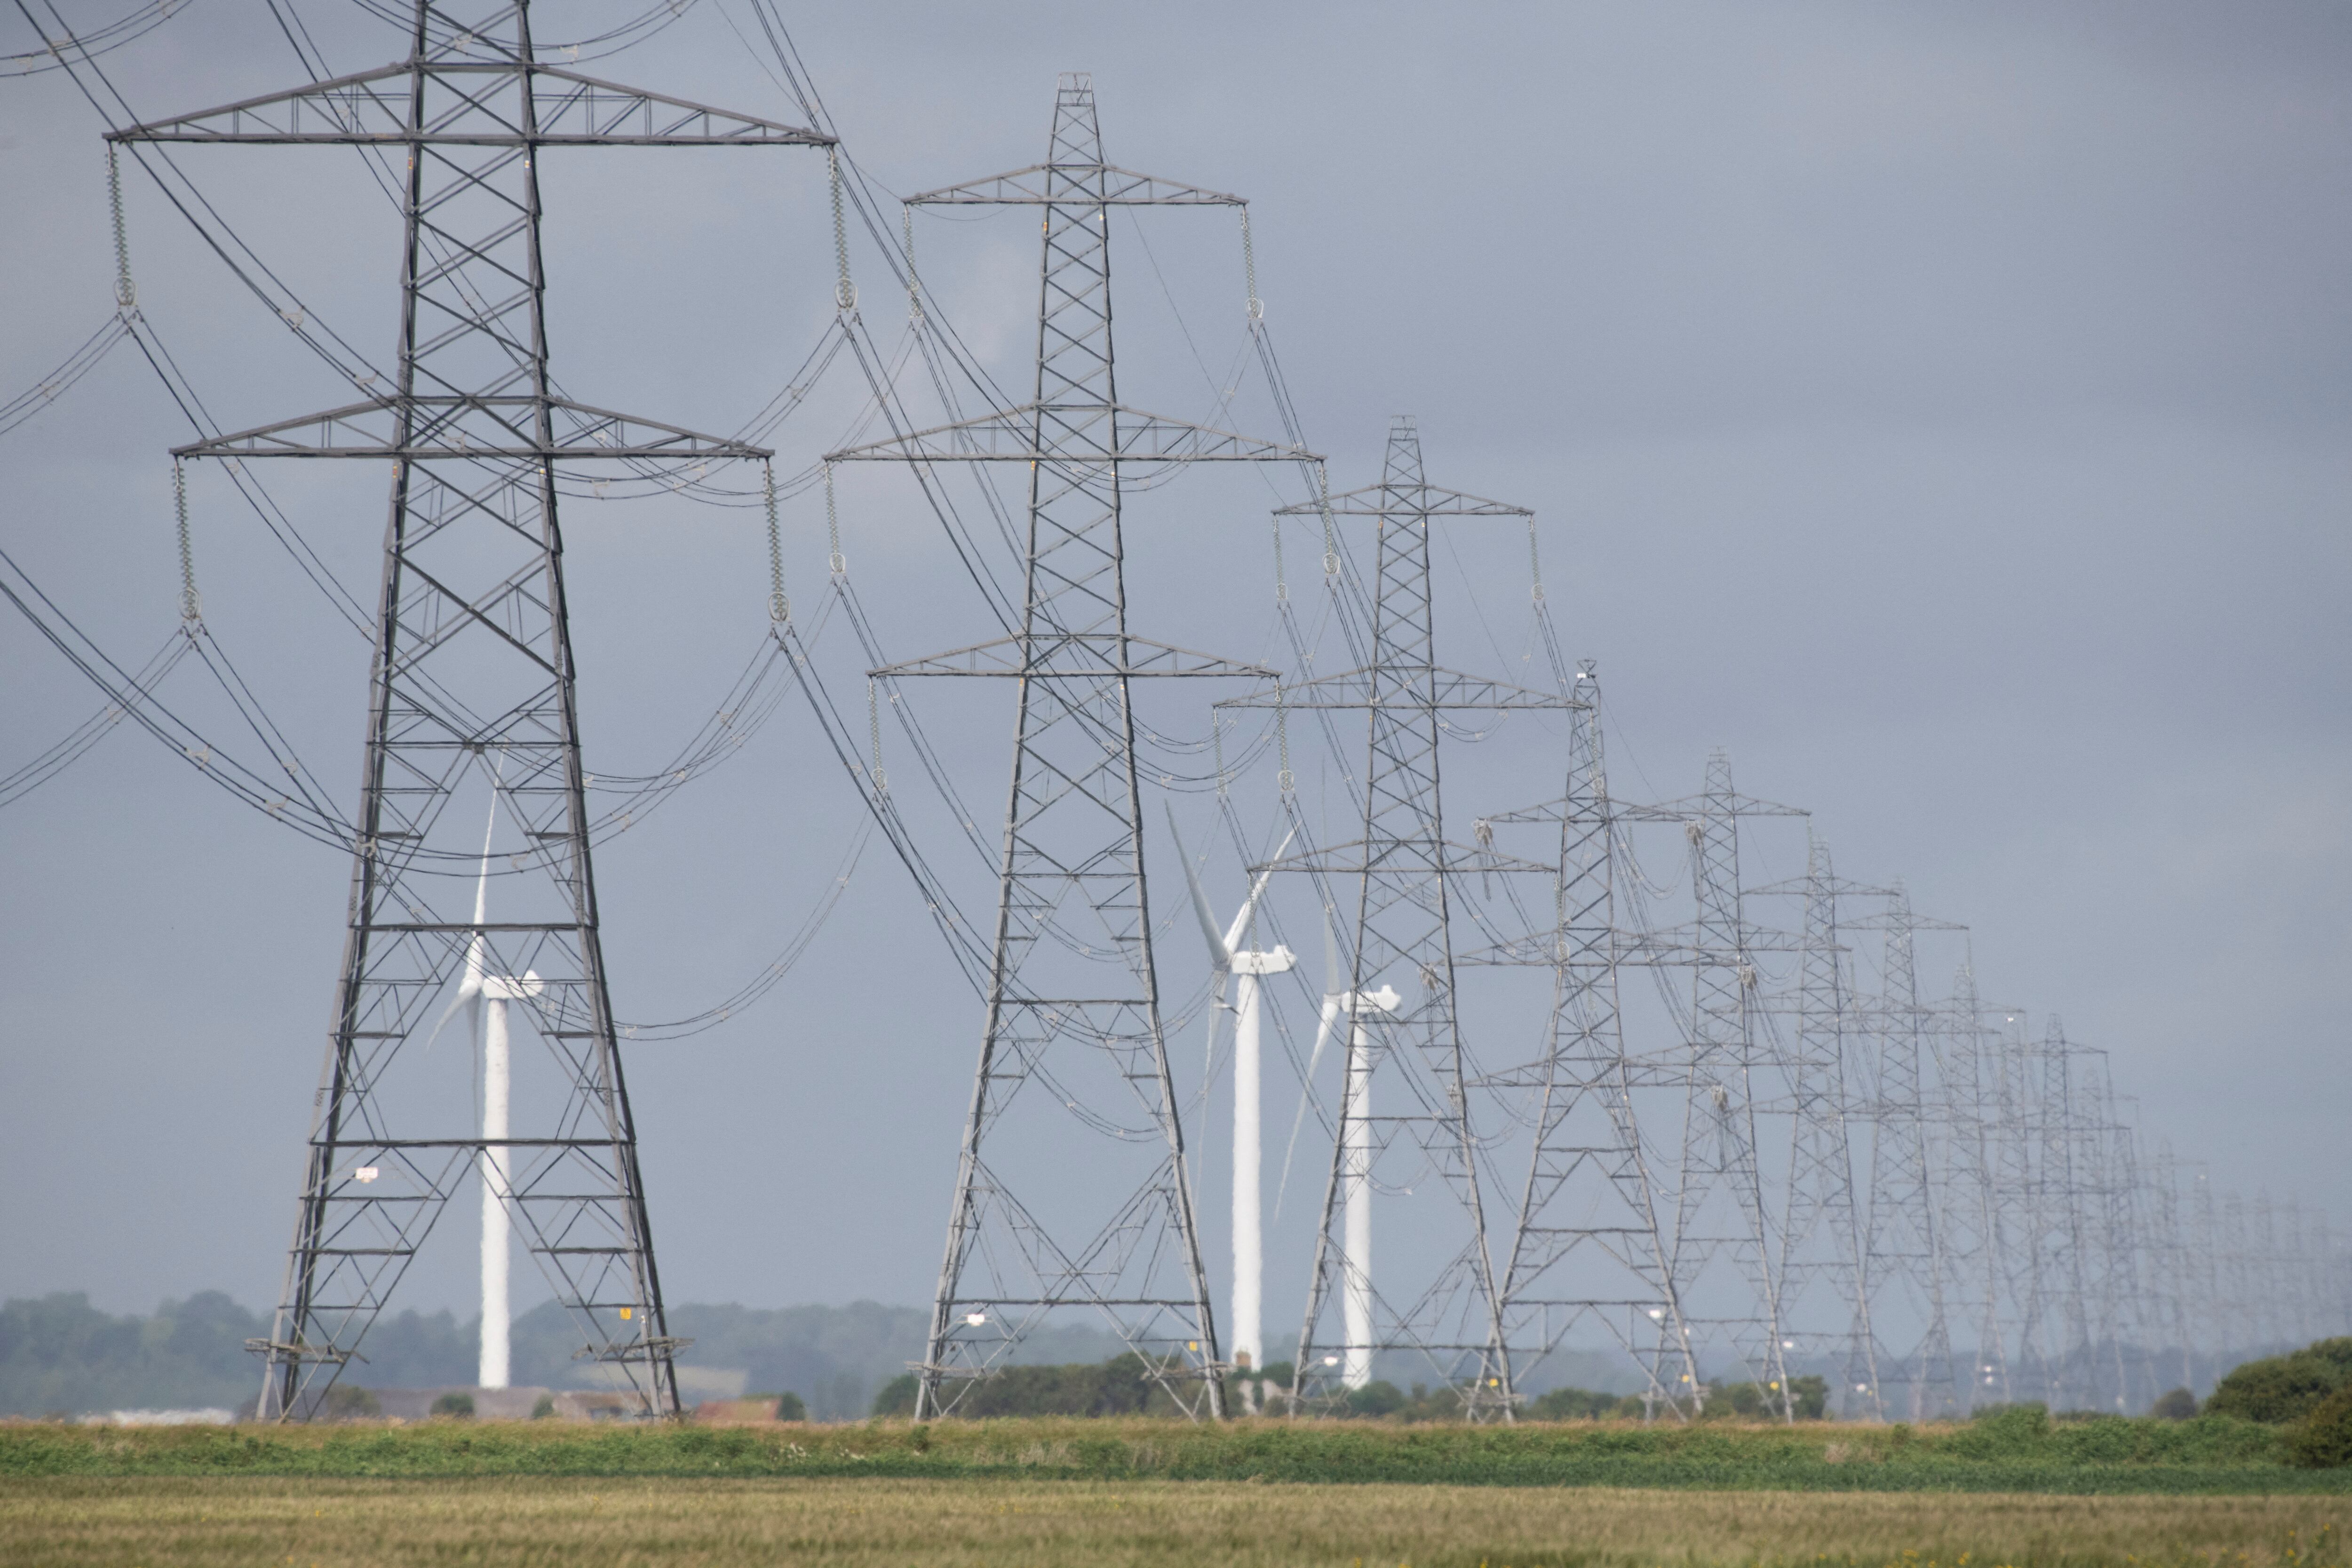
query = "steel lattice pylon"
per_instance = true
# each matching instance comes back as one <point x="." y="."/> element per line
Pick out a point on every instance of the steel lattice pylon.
<point x="1719" y="1205"/>
<point x="1821" y="1230"/>
<point x="472" y="683"/>
<point x="1405" y="1083"/>
<point x="1588" y="1243"/>
<point x="1905" y="1237"/>
<point x="1074" y="1056"/>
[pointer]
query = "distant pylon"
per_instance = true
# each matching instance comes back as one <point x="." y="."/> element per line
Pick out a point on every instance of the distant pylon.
<point x="473" y="675"/>
<point x="1821" y="1233"/>
<point x="1075" y="1192"/>
<point x="1406" y="1106"/>
<point x="1720" y="1206"/>
<point x="1907" y="1242"/>
<point x="1587" y="1247"/>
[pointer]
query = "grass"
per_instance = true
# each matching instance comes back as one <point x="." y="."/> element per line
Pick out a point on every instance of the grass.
<point x="2017" y="1452"/>
<point x="193" y="1522"/>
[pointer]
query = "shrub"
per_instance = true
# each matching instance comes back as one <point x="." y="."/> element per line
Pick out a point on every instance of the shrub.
<point x="2004" y="1432"/>
<point x="1571" y="1404"/>
<point x="790" y="1407"/>
<point x="544" y="1408"/>
<point x="2178" y="1405"/>
<point x="348" y="1402"/>
<point x="897" y="1396"/>
<point x="457" y="1406"/>
<point x="2282" y="1388"/>
<point x="2322" y="1440"/>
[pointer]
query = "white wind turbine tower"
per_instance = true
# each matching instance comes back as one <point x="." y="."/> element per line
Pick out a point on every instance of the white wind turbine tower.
<point x="1356" y="1169"/>
<point x="489" y="994"/>
<point x="1249" y="968"/>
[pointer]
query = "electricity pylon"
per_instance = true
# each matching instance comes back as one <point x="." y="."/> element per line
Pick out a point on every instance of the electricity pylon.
<point x="1905" y="1238"/>
<point x="1586" y="1246"/>
<point x="1720" y="1207"/>
<point x="1406" y="1108"/>
<point x="1978" y="1219"/>
<point x="473" y="678"/>
<point x="1047" y="1213"/>
<point x="1821" y="1230"/>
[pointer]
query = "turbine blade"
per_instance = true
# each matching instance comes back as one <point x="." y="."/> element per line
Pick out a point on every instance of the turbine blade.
<point x="1221" y="952"/>
<point x="1249" y="907"/>
<point x="1307" y="1091"/>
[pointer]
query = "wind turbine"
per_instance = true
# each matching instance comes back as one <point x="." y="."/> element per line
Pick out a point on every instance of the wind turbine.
<point x="489" y="994"/>
<point x="1248" y="970"/>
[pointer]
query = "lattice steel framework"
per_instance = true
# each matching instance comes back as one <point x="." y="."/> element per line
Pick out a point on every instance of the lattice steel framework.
<point x="1905" y="1237"/>
<point x="1073" y="1061"/>
<point x="1587" y="1247"/>
<point x="1408" y="1100"/>
<point x="1720" y="1209"/>
<point x="473" y="679"/>
<point x="1821" y="1230"/>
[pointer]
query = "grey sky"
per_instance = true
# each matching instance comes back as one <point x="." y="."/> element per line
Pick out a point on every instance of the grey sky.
<point x="1944" y="409"/>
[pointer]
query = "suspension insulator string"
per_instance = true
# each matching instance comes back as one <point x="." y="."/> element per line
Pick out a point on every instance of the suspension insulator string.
<point x="1331" y="528"/>
<point x="126" y="295"/>
<point x="914" y="285"/>
<point x="1534" y="562"/>
<point x="1249" y="268"/>
<point x="1281" y="578"/>
<point x="191" y="610"/>
<point x="845" y="292"/>
<point x="1282" y="741"/>
<point x="834" y="563"/>
<point x="779" y="608"/>
<point x="874" y="727"/>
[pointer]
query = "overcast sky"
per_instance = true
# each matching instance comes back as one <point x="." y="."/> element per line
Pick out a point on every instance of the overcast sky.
<point x="1944" y="409"/>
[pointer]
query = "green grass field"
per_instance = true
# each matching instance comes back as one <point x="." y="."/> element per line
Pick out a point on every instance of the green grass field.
<point x="2018" y="1452"/>
<point x="186" y="1521"/>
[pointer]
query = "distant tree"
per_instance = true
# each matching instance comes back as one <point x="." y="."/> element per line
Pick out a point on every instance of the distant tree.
<point x="2180" y="1404"/>
<point x="455" y="1406"/>
<point x="1809" y="1397"/>
<point x="1377" y="1398"/>
<point x="2281" y="1388"/>
<point x="348" y="1402"/>
<point x="2322" y="1440"/>
<point x="898" y="1396"/>
<point x="1571" y="1404"/>
<point x="790" y="1407"/>
<point x="544" y="1408"/>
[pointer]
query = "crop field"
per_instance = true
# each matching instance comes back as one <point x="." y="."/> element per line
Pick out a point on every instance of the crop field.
<point x="1997" y="1493"/>
<point x="169" y="1522"/>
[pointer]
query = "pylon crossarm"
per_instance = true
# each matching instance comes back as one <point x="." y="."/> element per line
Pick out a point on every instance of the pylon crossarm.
<point x="1449" y="689"/>
<point x="1074" y="435"/>
<point x="1405" y="501"/>
<point x="369" y="108"/>
<point x="1448" y="858"/>
<point x="439" y="429"/>
<point x="1103" y="185"/>
<point x="1555" y="812"/>
<point x="1072" y="653"/>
